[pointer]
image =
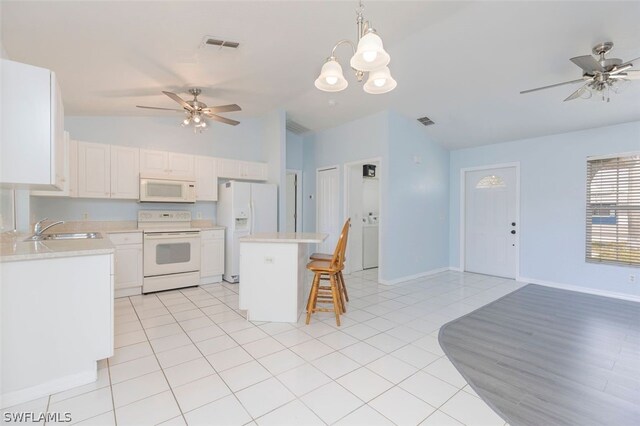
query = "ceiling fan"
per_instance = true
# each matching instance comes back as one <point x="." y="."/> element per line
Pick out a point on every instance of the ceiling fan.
<point x="599" y="74"/>
<point x="197" y="111"/>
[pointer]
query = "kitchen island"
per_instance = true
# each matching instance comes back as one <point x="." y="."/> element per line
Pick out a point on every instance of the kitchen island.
<point x="56" y="314"/>
<point x="272" y="274"/>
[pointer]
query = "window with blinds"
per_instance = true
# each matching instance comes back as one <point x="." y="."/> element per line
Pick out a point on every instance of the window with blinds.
<point x="613" y="210"/>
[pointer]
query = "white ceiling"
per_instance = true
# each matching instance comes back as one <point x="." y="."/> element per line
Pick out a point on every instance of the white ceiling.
<point x="460" y="63"/>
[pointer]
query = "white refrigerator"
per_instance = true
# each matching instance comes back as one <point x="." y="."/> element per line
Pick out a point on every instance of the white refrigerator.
<point x="244" y="208"/>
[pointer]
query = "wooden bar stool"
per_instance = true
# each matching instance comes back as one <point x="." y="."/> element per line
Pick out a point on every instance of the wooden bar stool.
<point x="327" y="257"/>
<point x="328" y="270"/>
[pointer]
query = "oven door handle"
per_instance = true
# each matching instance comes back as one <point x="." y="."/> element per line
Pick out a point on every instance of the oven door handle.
<point x="165" y="236"/>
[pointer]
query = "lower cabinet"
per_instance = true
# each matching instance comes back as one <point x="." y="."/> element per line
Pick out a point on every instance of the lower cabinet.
<point x="211" y="256"/>
<point x="128" y="263"/>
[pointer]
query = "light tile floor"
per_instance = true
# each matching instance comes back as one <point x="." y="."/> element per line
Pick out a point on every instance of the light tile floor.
<point x="189" y="356"/>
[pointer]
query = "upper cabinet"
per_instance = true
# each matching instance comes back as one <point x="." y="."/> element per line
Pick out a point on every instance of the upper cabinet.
<point x="107" y="171"/>
<point x="245" y="170"/>
<point x="169" y="164"/>
<point x="32" y="135"/>
<point x="94" y="170"/>
<point x="206" y="178"/>
<point x="70" y="172"/>
<point x="125" y="172"/>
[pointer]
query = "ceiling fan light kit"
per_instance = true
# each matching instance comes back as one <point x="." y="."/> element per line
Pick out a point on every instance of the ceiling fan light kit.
<point x="197" y="112"/>
<point x="600" y="75"/>
<point x="369" y="57"/>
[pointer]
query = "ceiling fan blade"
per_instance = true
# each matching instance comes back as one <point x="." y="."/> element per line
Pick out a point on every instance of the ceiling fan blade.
<point x="164" y="109"/>
<point x="630" y="75"/>
<point x="619" y="69"/>
<point x="223" y="108"/>
<point x="553" y="85"/>
<point x="629" y="62"/>
<point x="222" y="119"/>
<point x="588" y="63"/>
<point x="577" y="93"/>
<point x="179" y="100"/>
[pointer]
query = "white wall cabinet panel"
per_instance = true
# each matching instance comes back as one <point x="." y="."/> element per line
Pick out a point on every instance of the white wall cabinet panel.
<point x="125" y="163"/>
<point x="244" y="170"/>
<point x="94" y="170"/>
<point x="66" y="171"/>
<point x="181" y="165"/>
<point x="229" y="169"/>
<point x="252" y="170"/>
<point x="166" y="164"/>
<point x="32" y="131"/>
<point x="153" y="163"/>
<point x="128" y="263"/>
<point x="206" y="178"/>
<point x="211" y="256"/>
<point x="73" y="168"/>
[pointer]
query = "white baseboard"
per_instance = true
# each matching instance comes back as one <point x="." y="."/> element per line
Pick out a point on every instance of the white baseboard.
<point x="413" y="277"/>
<point x="455" y="268"/>
<point x="211" y="280"/>
<point x="580" y="289"/>
<point x="10" y="399"/>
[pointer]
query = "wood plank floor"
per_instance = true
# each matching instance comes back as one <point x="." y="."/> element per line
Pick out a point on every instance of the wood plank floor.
<point x="543" y="356"/>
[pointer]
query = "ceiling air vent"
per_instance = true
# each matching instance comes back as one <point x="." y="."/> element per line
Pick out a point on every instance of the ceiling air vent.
<point x="426" y="121"/>
<point x="221" y="43"/>
<point x="296" y="128"/>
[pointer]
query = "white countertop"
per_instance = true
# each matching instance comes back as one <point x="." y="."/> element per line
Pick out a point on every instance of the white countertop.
<point x="14" y="248"/>
<point x="285" y="237"/>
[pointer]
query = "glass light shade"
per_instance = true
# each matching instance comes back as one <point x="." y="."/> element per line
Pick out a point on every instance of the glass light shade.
<point x="370" y="55"/>
<point x="380" y="81"/>
<point x="331" y="78"/>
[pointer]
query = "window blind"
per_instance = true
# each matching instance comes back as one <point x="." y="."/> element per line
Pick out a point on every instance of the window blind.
<point x="613" y="210"/>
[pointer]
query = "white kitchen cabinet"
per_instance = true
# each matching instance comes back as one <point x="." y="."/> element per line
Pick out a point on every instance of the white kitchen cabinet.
<point x="211" y="256"/>
<point x="181" y="165"/>
<point x="206" y="178"/>
<point x="94" y="170"/>
<point x="243" y="170"/>
<point x="70" y="172"/>
<point x="32" y="131"/>
<point x="128" y="263"/>
<point x="166" y="164"/>
<point x="252" y="170"/>
<point x="125" y="166"/>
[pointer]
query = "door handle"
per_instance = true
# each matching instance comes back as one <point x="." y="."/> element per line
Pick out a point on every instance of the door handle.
<point x="513" y="231"/>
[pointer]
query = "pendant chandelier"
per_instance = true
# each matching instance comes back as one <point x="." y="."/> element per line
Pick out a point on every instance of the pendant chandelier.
<point x="369" y="57"/>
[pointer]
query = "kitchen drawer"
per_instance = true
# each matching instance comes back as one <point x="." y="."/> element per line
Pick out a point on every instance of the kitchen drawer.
<point x="126" y="238"/>
<point x="214" y="234"/>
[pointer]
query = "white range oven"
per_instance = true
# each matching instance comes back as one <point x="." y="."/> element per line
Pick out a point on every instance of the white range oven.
<point x="171" y="250"/>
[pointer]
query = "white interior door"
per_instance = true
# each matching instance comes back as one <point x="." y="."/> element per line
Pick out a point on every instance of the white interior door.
<point x="328" y="208"/>
<point x="490" y="222"/>
<point x="291" y="202"/>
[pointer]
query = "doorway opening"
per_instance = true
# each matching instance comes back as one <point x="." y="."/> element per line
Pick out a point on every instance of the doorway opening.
<point x="293" y="190"/>
<point x="489" y="220"/>
<point x="362" y="205"/>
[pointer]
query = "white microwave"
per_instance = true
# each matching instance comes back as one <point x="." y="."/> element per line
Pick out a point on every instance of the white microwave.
<point x="159" y="190"/>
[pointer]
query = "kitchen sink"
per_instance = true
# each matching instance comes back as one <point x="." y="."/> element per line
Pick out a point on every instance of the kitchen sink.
<point x="65" y="236"/>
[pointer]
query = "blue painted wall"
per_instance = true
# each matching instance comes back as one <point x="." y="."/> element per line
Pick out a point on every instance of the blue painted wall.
<point x="552" y="206"/>
<point x="416" y="238"/>
<point x="295" y="148"/>
<point x="414" y="205"/>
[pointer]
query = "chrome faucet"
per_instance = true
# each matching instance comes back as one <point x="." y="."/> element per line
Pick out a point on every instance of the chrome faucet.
<point x="38" y="229"/>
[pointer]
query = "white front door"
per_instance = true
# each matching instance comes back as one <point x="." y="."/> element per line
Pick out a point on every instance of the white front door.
<point x="490" y="222"/>
<point x="328" y="208"/>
